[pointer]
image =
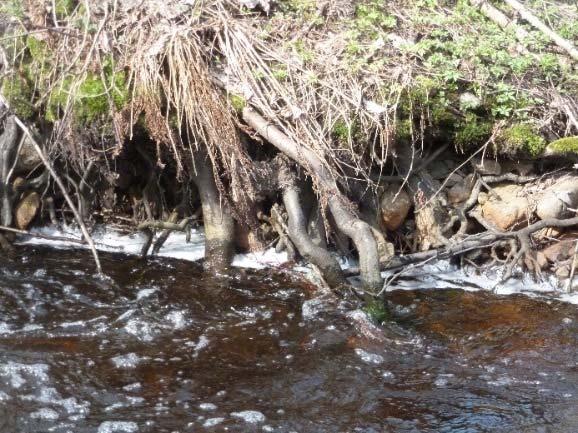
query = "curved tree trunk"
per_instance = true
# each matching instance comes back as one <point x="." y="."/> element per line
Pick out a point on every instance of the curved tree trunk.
<point x="297" y="230"/>
<point x="218" y="222"/>
<point x="347" y="222"/>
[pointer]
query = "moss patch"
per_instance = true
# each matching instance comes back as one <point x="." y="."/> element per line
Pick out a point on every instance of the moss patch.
<point x="91" y="98"/>
<point x="472" y="132"/>
<point x="237" y="102"/>
<point x="563" y="146"/>
<point x="18" y="92"/>
<point x="521" y="139"/>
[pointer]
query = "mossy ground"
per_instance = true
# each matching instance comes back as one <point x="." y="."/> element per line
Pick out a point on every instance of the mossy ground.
<point x="567" y="145"/>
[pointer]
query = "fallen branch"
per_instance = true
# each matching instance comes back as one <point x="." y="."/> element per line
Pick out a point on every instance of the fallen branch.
<point x="565" y="44"/>
<point x="43" y="236"/>
<point x="474" y="242"/>
<point x="500" y="18"/>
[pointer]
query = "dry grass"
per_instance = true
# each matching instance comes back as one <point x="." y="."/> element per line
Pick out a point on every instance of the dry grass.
<point x="298" y="68"/>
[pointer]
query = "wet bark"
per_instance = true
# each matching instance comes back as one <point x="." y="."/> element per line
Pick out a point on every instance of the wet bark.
<point x="345" y="219"/>
<point x="297" y="230"/>
<point x="217" y="219"/>
<point x="8" y="144"/>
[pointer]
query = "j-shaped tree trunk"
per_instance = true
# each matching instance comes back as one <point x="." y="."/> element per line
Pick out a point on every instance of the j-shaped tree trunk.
<point x="346" y="221"/>
<point x="217" y="219"/>
<point x="297" y="230"/>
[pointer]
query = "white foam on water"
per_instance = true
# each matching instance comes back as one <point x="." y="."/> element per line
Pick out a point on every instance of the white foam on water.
<point x="312" y="307"/>
<point x="178" y="318"/>
<point x="140" y="329"/>
<point x="78" y="323"/>
<point x="15" y="373"/>
<point x="130" y="360"/>
<point x="369" y="358"/>
<point x="212" y="422"/>
<point x="45" y="414"/>
<point x="202" y="343"/>
<point x="208" y="406"/>
<point x="443" y="275"/>
<point x="132" y="387"/>
<point x="249" y="416"/>
<point x="118" y="427"/>
<point x="145" y="293"/>
<point x="175" y="247"/>
<point x="5" y="328"/>
<point x="50" y="396"/>
<point x="32" y="327"/>
<point x="135" y="401"/>
<point x="4" y="396"/>
<point x="435" y="275"/>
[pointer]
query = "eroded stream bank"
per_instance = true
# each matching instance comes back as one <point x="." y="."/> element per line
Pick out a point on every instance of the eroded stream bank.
<point x="164" y="347"/>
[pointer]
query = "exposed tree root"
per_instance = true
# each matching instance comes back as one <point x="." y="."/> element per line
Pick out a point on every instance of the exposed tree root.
<point x="297" y="231"/>
<point x="356" y="229"/>
<point x="487" y="239"/>
<point x="218" y="222"/>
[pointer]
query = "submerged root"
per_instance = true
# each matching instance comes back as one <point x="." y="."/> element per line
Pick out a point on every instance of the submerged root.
<point x="297" y="230"/>
<point x="217" y="218"/>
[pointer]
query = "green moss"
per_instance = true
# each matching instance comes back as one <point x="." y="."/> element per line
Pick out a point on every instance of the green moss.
<point x="18" y="91"/>
<point x="521" y="138"/>
<point x="371" y="18"/>
<point x="91" y="98"/>
<point x="403" y="130"/>
<point x="12" y="8"/>
<point x="343" y="131"/>
<point x="472" y="132"/>
<point x="304" y="53"/>
<point x="563" y="146"/>
<point x="37" y="49"/>
<point x="280" y="72"/>
<point x="377" y="310"/>
<point x="64" y="8"/>
<point x="237" y="102"/>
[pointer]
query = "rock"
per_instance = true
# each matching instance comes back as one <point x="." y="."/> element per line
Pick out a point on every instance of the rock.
<point x="394" y="209"/>
<point x="460" y="192"/>
<point x="27" y="209"/>
<point x="563" y="271"/>
<point x="440" y="169"/>
<point x="558" y="200"/>
<point x="487" y="166"/>
<point x="28" y="158"/>
<point x="559" y="251"/>
<point x="510" y="210"/>
<point x="567" y="146"/>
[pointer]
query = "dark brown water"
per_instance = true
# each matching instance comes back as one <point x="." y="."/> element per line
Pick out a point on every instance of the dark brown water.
<point x="162" y="347"/>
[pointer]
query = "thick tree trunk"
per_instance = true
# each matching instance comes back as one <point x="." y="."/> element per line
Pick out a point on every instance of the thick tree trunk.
<point x="297" y="230"/>
<point x="8" y="144"/>
<point x="347" y="222"/>
<point x="218" y="222"/>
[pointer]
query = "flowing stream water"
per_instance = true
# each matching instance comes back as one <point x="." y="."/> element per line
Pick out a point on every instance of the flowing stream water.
<point x="161" y="346"/>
